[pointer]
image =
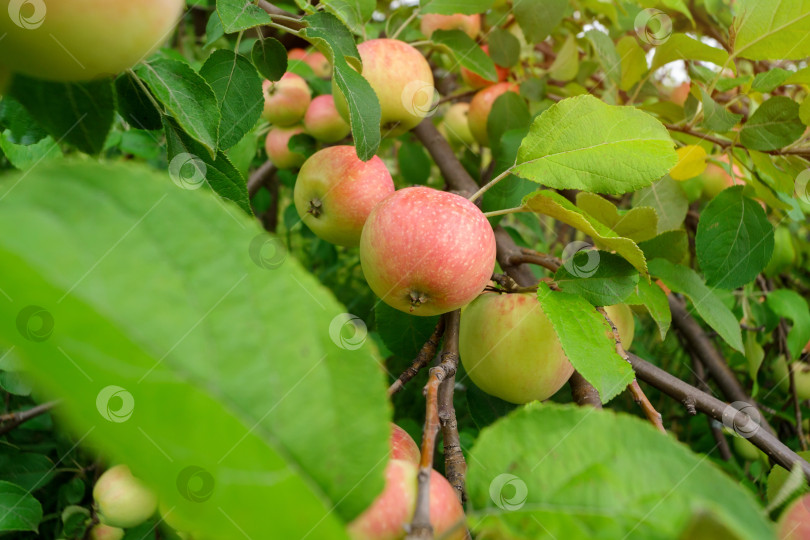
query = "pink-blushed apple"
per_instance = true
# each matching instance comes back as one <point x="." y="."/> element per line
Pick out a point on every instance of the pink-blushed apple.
<point x="335" y="192"/>
<point x="794" y="523"/>
<point x="427" y="252"/>
<point x="104" y="532"/>
<point x="323" y="121"/>
<point x="82" y="40"/>
<point x="715" y="178"/>
<point x="278" y="150"/>
<point x="314" y="59"/>
<point x="123" y="500"/>
<point x="456" y="125"/>
<point x="680" y="93"/>
<point x="622" y="316"/>
<point x="477" y="81"/>
<point x="469" y="24"/>
<point x="402" y="80"/>
<point x="403" y="446"/>
<point x="480" y="107"/>
<point x="286" y="100"/>
<point x="393" y="509"/>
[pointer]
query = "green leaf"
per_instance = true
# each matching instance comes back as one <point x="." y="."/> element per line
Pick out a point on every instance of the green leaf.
<point x="191" y="167"/>
<point x="566" y="66"/>
<point x="652" y="297"/>
<point x="25" y="157"/>
<point x="558" y="207"/>
<point x="466" y="52"/>
<point x="504" y="48"/>
<point x="790" y="305"/>
<point x="403" y="334"/>
<point x="270" y="58"/>
<point x="134" y="104"/>
<point x="764" y="31"/>
<point x="587" y="339"/>
<point x="354" y="13"/>
<point x="668" y="200"/>
<point x="28" y="470"/>
<point x="509" y="112"/>
<point x="80" y="114"/>
<point x="450" y="7"/>
<point x="734" y="239"/>
<point x="213" y="30"/>
<point x="583" y="143"/>
<point x="775" y="124"/>
<point x="715" y="116"/>
<point x="284" y="410"/>
<point x="578" y="478"/>
<point x="637" y="224"/>
<point x="239" y="93"/>
<point x="509" y="192"/>
<point x="767" y="81"/>
<point x="19" y="510"/>
<point x="335" y="41"/>
<point x="187" y="96"/>
<point x="607" y="54"/>
<point x="684" y="280"/>
<point x="538" y="19"/>
<point x="239" y="15"/>
<point x="414" y="162"/>
<point x="683" y="47"/>
<point x="23" y="128"/>
<point x="607" y="280"/>
<point x="633" y="62"/>
<point x="670" y="245"/>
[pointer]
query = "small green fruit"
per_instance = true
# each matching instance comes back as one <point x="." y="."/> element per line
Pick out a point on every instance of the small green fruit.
<point x="123" y="500"/>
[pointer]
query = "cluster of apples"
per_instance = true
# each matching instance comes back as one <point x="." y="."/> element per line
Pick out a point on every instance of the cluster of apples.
<point x="122" y="501"/>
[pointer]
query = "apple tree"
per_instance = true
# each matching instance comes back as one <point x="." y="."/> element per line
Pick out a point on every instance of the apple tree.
<point x="346" y="269"/>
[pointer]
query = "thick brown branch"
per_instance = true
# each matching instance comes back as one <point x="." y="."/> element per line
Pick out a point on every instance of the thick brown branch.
<point x="426" y="353"/>
<point x="583" y="392"/>
<point x="455" y="467"/>
<point x="456" y="176"/>
<point x="714" y="425"/>
<point x="10" y="421"/>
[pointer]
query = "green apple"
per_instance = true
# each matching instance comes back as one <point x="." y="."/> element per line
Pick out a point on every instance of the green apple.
<point x="323" y="121"/>
<point x="335" y="192"/>
<point x="794" y="523"/>
<point x="286" y="100"/>
<point x="469" y="24"/>
<point x="123" y="500"/>
<point x="402" y="80"/>
<point x="746" y="449"/>
<point x="481" y="105"/>
<point x="105" y="532"/>
<point x="801" y="376"/>
<point x="278" y="150"/>
<point x="456" y="125"/>
<point x="83" y="39"/>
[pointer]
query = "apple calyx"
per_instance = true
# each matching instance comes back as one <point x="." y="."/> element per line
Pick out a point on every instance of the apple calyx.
<point x="417" y="299"/>
<point x="315" y="205"/>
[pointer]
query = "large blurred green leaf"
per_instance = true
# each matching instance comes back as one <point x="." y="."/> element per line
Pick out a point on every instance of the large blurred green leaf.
<point x="185" y="342"/>
<point x="683" y="47"/>
<point x="772" y="31"/>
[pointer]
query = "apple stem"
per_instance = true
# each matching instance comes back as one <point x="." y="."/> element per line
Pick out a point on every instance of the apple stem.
<point x="505" y="211"/>
<point x="405" y="24"/>
<point x="486" y="187"/>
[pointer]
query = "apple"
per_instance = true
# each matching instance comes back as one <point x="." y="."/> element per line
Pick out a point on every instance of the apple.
<point x="794" y="523"/>
<point x="481" y="105"/>
<point x="745" y="448"/>
<point x="277" y="146"/>
<point x="477" y="81"/>
<point x="123" y="500"/>
<point x="427" y="252"/>
<point x="622" y="316"/>
<point x="456" y="125"/>
<point x="801" y="376"/>
<point x="82" y="40"/>
<point x="403" y="446"/>
<point x="469" y="24"/>
<point x="314" y="59"/>
<point x="402" y="80"/>
<point x="335" y="192"/>
<point x="715" y="178"/>
<point x="105" y="532"/>
<point x="324" y="122"/>
<point x="393" y="509"/>
<point x="286" y="100"/>
<point x="680" y="93"/>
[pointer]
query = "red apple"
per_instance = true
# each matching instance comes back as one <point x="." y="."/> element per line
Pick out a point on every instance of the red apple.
<point x="481" y="105"/>
<point x="402" y="80"/>
<point x="477" y="81"/>
<point x="393" y="509"/>
<point x="403" y="446"/>
<point x="105" y="532"/>
<point x="469" y="24"/>
<point x="286" y="100"/>
<point x="456" y="125"/>
<point x="336" y="191"/>
<point x="427" y="252"/>
<point x="324" y="122"/>
<point x="314" y="59"/>
<point x="277" y="146"/>
<point x="123" y="500"/>
<point x="794" y="523"/>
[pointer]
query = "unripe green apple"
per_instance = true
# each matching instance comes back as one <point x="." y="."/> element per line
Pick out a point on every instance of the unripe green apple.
<point x="323" y="121"/>
<point x="286" y="100"/>
<point x="314" y="59"/>
<point x="794" y="523"/>
<point x="622" y="316"/>
<point x="402" y="80"/>
<point x="746" y="449"/>
<point x="481" y="105"/>
<point x="393" y="509"/>
<point x="427" y="252"/>
<point x="105" y="532"/>
<point x="403" y="446"/>
<point x="335" y="192"/>
<point x="277" y="146"/>
<point x="469" y="24"/>
<point x="784" y="254"/>
<point x="456" y="125"/>
<point x="801" y="376"/>
<point x="83" y="39"/>
<point x="123" y="500"/>
<point x="475" y="80"/>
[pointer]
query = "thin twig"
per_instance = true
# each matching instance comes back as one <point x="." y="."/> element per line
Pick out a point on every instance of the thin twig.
<point x="455" y="467"/>
<point x="260" y="177"/>
<point x="426" y="353"/>
<point x="10" y="421"/>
